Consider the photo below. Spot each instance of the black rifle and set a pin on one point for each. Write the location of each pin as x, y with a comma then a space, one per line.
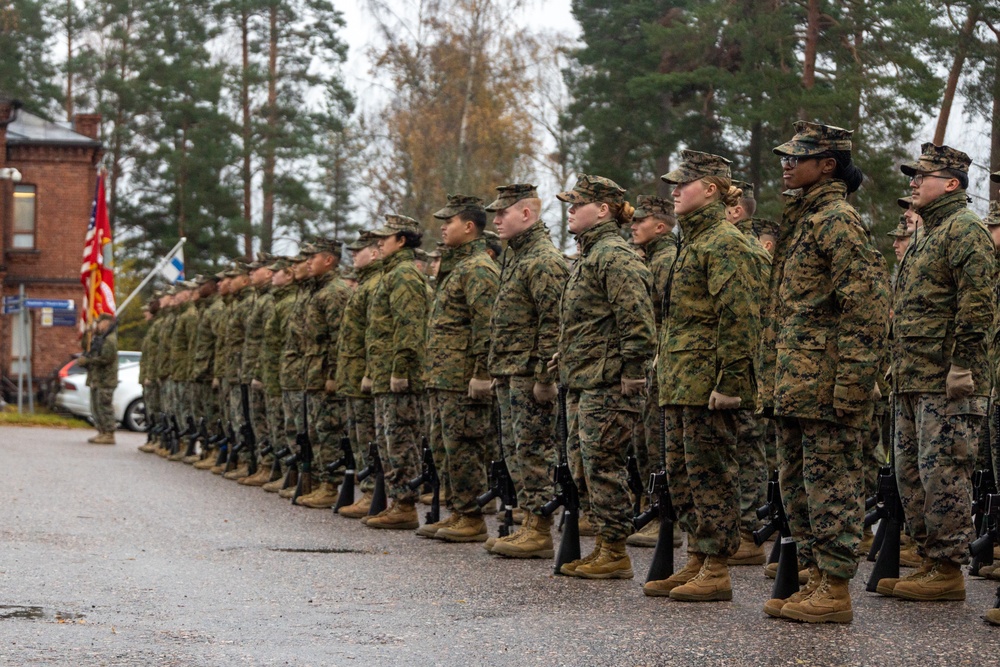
501, 485
374, 467
304, 484
982, 547
429, 475
159, 426
248, 440
660, 506
193, 433
346, 461
888, 511
221, 440
568, 497
983, 485
175, 435
786, 581
233, 456
634, 484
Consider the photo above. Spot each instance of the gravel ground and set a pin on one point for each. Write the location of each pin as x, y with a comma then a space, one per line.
114, 557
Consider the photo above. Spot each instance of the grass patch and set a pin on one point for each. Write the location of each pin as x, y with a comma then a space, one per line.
41, 417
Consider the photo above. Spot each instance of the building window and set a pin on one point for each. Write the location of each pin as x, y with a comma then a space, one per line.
24, 217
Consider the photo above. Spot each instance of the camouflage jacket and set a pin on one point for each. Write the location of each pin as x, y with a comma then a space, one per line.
660, 255
458, 332
351, 341
204, 346
235, 334
276, 312
397, 324
102, 364
825, 313
323, 318
148, 350
182, 342
253, 342
161, 368
220, 324
606, 327
292, 370
760, 253
711, 317
524, 327
944, 307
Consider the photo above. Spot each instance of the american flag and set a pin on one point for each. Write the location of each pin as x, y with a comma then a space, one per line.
97, 272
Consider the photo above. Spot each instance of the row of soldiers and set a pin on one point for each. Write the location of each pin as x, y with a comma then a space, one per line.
714, 346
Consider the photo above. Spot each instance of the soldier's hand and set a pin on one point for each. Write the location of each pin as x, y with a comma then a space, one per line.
959, 383
717, 401
215, 383
480, 389
553, 365
256, 385
330, 387
633, 386
398, 385
876, 393
366, 385
545, 392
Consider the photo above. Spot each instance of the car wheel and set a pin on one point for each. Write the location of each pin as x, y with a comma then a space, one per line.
135, 415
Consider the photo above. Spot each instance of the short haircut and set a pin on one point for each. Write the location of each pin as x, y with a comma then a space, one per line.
961, 176
410, 239
476, 217
749, 205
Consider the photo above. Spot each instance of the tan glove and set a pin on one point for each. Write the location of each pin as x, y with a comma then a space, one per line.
256, 384
215, 383
633, 386
480, 389
717, 401
330, 387
544, 392
553, 365
366, 385
959, 383
398, 385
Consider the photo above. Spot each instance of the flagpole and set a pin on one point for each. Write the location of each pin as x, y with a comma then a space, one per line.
156, 269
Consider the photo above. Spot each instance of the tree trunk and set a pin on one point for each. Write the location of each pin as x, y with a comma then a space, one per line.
995, 134
270, 159
953, 75
754, 149
69, 60
246, 173
117, 137
811, 45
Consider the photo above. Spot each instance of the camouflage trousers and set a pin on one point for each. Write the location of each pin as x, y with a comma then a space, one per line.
361, 429
573, 455
704, 476
877, 443
935, 448
606, 422
102, 409
223, 397
167, 397
236, 416
529, 441
203, 400
821, 486
258, 420
275, 426
291, 406
431, 434
326, 420
646, 443
465, 427
151, 399
397, 430
751, 458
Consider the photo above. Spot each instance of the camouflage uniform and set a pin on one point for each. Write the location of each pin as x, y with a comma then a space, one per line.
292, 369
823, 339
236, 330
150, 387
458, 343
161, 366
202, 366
181, 352
711, 328
275, 325
394, 348
261, 306
102, 378
524, 330
991, 431
220, 323
943, 313
606, 334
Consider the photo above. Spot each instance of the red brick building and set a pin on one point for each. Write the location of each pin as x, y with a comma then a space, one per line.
43, 221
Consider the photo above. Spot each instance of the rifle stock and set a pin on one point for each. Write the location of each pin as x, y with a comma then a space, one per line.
304, 484
568, 497
429, 475
786, 581
374, 467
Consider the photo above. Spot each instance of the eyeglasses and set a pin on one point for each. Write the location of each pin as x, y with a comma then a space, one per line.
789, 161
918, 178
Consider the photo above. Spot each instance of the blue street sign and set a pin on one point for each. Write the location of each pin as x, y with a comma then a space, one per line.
10, 304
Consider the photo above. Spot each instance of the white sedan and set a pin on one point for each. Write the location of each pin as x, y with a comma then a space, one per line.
130, 410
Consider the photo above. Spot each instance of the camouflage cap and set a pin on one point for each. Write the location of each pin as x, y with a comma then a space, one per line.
420, 254
589, 189
327, 245
995, 177
221, 274
395, 224
508, 195
434, 254
202, 280
238, 268
490, 234
813, 139
935, 158
696, 165
349, 274
647, 205
746, 187
365, 239
281, 264
764, 226
900, 231
905, 203
459, 204
263, 259
993, 218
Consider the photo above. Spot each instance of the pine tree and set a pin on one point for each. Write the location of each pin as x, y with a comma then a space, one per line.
28, 73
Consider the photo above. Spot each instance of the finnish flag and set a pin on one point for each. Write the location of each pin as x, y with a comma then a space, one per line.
174, 269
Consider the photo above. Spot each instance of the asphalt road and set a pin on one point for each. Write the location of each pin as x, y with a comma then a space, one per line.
114, 557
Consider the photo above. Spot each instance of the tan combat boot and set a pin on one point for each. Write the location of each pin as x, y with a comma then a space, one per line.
103, 439
467, 528
773, 606
359, 508
662, 587
570, 568
771, 571
322, 498
276, 485
944, 581
427, 498
400, 516
191, 460
829, 603
162, 451
612, 563
431, 529
149, 447
909, 557
886, 585
492, 541
239, 473
711, 584
646, 537
678, 536
177, 456
866, 543
535, 541
748, 553
206, 463
992, 616
587, 528
260, 478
